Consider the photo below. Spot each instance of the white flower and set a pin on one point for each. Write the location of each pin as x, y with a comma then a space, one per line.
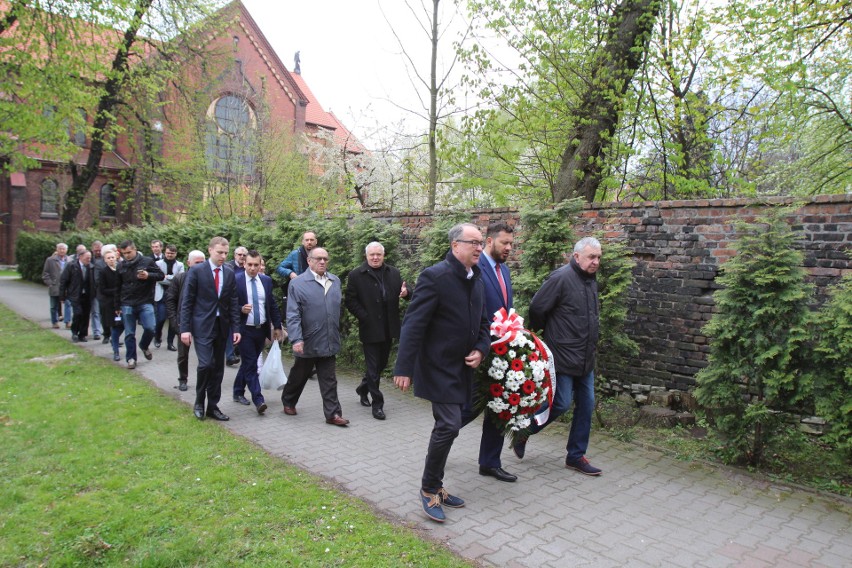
512, 354
497, 405
495, 373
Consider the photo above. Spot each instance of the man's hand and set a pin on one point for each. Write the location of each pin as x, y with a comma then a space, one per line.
402, 383
299, 347
473, 359
293, 275
186, 338
403, 292
277, 335
237, 338
246, 309
142, 274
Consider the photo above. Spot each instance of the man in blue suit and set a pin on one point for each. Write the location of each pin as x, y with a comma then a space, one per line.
209, 312
259, 320
498, 294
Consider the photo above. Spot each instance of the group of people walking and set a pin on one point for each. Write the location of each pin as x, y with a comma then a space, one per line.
228, 307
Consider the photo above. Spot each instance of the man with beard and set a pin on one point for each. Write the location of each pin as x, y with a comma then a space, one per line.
138, 275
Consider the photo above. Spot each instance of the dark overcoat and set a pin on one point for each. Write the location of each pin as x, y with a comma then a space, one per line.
445, 321
377, 312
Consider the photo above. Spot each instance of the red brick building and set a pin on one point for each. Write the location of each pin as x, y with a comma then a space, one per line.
249, 83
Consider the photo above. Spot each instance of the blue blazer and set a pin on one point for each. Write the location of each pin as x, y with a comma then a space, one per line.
493, 294
271, 307
199, 303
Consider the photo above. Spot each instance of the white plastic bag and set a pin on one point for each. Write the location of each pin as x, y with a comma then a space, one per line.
272, 376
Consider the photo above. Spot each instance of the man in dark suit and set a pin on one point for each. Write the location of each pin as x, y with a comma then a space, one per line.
498, 294
173, 306
209, 312
373, 291
445, 336
259, 320
77, 286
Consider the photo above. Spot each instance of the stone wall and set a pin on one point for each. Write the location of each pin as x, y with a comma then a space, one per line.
679, 247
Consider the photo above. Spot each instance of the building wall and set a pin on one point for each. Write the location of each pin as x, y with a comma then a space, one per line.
679, 247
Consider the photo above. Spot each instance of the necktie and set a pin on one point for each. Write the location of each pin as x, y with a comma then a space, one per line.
216, 280
255, 305
502, 284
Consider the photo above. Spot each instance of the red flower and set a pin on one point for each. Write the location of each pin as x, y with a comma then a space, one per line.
501, 349
505, 416
514, 399
528, 387
517, 365
533, 356
496, 390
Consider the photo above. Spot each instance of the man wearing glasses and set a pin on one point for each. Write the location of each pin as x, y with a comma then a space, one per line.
445, 336
313, 326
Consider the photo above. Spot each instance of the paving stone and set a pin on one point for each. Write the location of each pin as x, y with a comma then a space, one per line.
645, 510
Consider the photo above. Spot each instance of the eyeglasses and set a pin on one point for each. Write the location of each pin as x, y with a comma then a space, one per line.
320, 258
475, 244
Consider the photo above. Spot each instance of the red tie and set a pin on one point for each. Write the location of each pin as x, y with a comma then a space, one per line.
502, 284
216, 280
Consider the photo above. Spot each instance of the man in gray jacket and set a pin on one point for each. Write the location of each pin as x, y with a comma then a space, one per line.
313, 326
567, 309
53, 267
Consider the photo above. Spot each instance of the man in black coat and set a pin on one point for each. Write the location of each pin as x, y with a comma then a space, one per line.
77, 285
373, 291
173, 306
567, 309
445, 336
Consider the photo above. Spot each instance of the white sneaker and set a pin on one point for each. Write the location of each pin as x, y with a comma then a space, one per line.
131, 364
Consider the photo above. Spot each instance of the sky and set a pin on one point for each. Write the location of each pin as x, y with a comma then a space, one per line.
350, 57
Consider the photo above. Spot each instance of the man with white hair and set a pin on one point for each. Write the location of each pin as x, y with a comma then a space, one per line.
373, 291
568, 310
53, 267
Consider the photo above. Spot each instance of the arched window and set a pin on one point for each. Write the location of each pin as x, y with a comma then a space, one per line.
230, 137
80, 129
107, 200
49, 198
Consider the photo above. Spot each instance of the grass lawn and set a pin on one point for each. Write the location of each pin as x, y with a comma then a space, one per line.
13, 273
101, 468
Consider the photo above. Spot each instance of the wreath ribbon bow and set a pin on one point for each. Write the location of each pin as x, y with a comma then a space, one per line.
506, 325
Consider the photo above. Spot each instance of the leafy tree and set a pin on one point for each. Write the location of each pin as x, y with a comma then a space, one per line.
832, 373
103, 57
757, 340
615, 276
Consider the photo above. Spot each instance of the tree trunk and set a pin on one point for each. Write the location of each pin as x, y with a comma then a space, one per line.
600, 108
433, 112
83, 178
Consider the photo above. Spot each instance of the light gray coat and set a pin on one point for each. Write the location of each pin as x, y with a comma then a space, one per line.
313, 316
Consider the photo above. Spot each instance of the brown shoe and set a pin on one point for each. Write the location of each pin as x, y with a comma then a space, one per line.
56, 326
337, 420
290, 410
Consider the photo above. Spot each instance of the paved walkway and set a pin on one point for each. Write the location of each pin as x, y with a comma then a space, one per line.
646, 510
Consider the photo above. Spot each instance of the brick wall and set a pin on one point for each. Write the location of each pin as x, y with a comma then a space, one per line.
678, 247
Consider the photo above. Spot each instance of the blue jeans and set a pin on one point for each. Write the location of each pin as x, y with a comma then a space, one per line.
582, 391
54, 310
144, 313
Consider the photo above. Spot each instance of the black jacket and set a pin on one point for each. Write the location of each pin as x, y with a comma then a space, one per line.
172, 299
108, 294
445, 321
566, 308
377, 310
72, 287
131, 290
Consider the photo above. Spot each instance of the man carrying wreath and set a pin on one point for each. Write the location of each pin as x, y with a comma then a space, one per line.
566, 307
445, 336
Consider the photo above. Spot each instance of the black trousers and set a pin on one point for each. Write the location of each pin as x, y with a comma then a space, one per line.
251, 346
82, 310
448, 422
182, 361
211, 367
376, 359
326, 377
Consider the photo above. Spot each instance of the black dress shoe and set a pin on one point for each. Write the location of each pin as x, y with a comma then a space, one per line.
261, 408
363, 394
157, 344
242, 400
379, 414
199, 411
497, 473
172, 347
182, 385
232, 361
217, 414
